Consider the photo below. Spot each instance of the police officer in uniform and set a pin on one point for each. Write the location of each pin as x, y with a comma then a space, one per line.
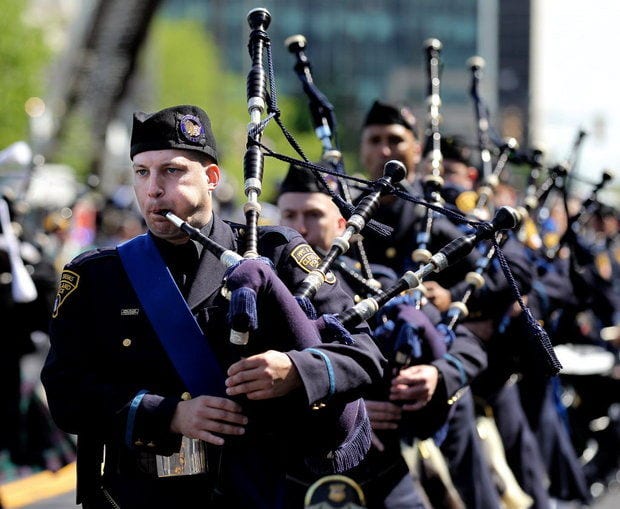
305, 206
117, 375
389, 132
420, 398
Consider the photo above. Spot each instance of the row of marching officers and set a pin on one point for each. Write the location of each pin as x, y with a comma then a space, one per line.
480, 391
405, 410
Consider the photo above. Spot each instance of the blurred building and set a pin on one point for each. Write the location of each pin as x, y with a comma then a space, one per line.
513, 79
364, 49
359, 50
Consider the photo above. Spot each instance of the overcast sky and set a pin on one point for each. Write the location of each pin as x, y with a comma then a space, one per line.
577, 80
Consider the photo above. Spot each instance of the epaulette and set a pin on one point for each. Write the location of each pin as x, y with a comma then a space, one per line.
285, 232
92, 254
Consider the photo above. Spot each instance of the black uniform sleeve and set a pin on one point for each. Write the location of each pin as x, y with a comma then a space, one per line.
465, 359
339, 369
89, 388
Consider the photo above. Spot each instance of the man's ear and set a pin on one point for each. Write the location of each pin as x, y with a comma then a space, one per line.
342, 224
472, 173
214, 175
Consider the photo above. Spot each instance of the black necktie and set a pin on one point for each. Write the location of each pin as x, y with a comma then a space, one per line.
184, 264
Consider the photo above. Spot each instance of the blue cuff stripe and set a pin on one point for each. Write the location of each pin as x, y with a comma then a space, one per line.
330, 369
458, 365
131, 417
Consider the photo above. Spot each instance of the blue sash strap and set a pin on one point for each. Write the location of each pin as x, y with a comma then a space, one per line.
177, 329
190, 352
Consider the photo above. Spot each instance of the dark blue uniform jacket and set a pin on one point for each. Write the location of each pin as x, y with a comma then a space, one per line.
104, 351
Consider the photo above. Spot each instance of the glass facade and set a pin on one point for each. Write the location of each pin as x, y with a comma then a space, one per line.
359, 50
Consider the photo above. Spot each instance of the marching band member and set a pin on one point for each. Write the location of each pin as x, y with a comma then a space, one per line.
119, 370
384, 477
389, 133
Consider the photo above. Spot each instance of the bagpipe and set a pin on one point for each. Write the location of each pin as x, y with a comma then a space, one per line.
250, 279
264, 314
544, 183
250, 276
325, 128
578, 220
480, 202
547, 187
433, 180
394, 171
476, 65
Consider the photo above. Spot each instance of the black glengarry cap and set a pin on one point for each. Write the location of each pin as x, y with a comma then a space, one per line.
300, 179
456, 148
382, 113
183, 127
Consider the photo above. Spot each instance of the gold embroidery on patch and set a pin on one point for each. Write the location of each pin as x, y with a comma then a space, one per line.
191, 128
308, 260
69, 281
305, 257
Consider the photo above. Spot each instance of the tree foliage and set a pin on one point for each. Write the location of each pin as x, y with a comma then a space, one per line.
23, 56
184, 67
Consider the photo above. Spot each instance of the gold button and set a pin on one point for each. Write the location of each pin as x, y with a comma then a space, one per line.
390, 252
318, 406
138, 443
186, 396
126, 342
150, 444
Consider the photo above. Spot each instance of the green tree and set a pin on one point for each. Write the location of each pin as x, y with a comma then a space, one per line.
23, 56
184, 73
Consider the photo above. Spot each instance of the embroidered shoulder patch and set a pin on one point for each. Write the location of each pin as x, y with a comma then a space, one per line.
69, 281
308, 260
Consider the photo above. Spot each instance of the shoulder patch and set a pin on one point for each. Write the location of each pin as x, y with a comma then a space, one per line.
69, 282
308, 260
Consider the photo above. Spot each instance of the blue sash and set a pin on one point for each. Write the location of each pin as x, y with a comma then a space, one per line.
175, 326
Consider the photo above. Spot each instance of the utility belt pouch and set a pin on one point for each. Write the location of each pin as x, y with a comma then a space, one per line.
190, 460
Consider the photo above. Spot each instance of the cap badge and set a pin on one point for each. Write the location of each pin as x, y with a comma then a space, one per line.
191, 128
